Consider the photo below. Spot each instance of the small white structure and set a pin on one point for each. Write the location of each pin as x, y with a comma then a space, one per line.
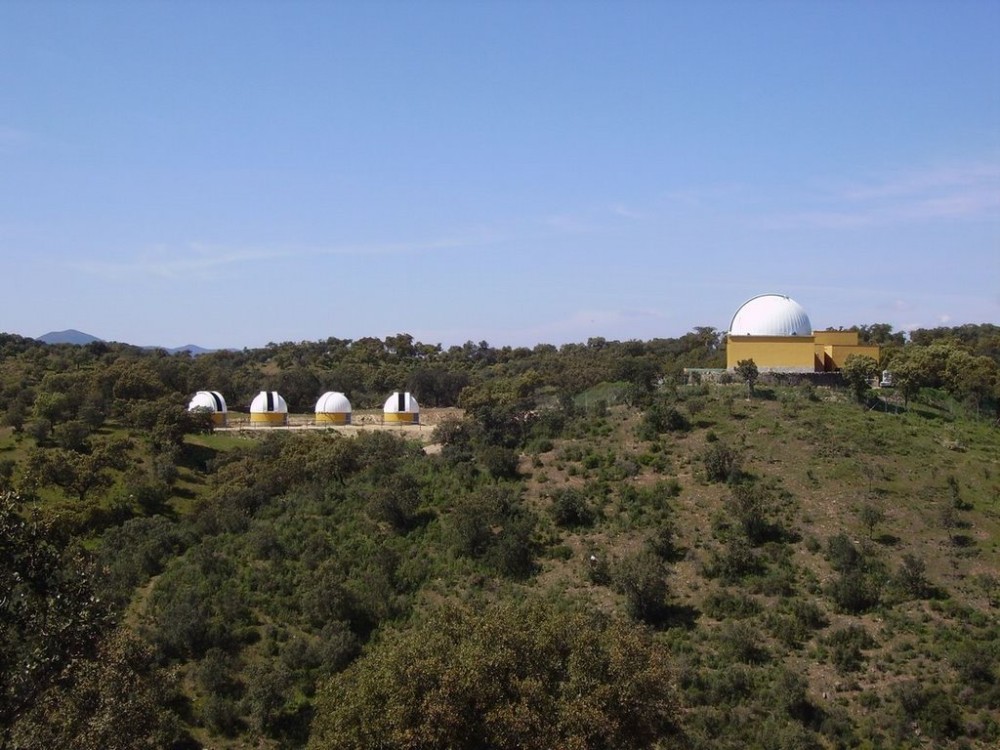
333, 408
269, 408
401, 408
211, 402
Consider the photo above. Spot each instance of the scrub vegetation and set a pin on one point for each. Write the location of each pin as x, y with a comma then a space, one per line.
598, 551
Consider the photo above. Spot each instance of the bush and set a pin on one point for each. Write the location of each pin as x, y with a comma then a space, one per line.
858, 587
662, 417
495, 527
855, 591
846, 645
395, 501
741, 642
911, 578
499, 462
642, 579
724, 604
753, 507
929, 707
663, 542
570, 509
722, 463
735, 561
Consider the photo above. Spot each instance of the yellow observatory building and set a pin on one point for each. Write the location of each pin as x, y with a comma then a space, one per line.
211, 402
268, 408
774, 331
401, 408
333, 408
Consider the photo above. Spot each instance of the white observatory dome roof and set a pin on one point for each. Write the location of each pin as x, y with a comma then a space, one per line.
771, 315
401, 403
210, 400
268, 402
333, 402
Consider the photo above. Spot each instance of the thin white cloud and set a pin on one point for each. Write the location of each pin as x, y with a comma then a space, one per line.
956, 192
626, 212
929, 180
568, 223
703, 196
204, 260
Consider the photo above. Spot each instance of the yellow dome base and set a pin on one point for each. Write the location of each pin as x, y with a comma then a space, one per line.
401, 418
269, 418
333, 418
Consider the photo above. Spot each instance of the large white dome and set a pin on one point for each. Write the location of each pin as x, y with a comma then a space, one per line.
771, 315
401, 403
268, 402
333, 402
209, 400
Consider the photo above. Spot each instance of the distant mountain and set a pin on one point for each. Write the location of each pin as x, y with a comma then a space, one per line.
193, 349
70, 336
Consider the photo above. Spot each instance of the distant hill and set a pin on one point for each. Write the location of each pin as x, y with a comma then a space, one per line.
193, 349
71, 336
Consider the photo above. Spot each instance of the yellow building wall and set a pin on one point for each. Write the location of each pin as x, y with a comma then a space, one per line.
402, 417
836, 338
795, 353
268, 418
835, 356
335, 417
824, 351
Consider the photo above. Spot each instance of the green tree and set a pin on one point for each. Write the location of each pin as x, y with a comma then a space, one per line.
493, 525
753, 507
49, 614
870, 517
858, 372
522, 675
747, 372
971, 378
722, 463
115, 701
641, 578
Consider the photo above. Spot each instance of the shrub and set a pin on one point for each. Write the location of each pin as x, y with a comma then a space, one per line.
911, 578
929, 707
663, 542
499, 462
735, 561
722, 463
724, 604
642, 579
753, 507
846, 645
855, 591
858, 587
741, 642
494, 526
570, 508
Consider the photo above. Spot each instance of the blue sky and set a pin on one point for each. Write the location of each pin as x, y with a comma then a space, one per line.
234, 173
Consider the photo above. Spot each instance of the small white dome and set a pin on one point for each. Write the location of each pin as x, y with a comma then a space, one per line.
401, 403
333, 402
771, 315
210, 400
268, 402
